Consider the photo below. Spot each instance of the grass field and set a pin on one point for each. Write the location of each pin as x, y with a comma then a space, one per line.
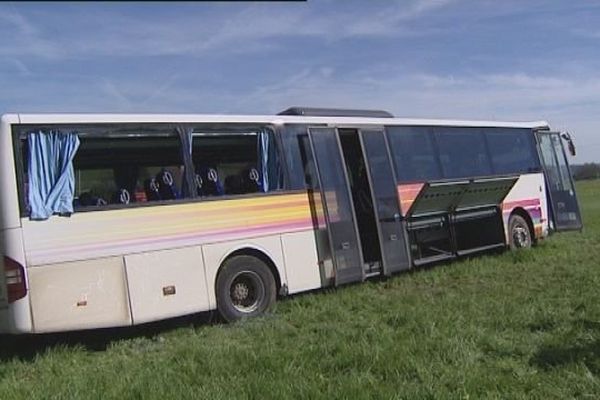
511, 325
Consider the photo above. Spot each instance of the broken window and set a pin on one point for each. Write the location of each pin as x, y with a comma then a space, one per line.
130, 168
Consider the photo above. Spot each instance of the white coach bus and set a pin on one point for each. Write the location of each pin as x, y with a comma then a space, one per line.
113, 220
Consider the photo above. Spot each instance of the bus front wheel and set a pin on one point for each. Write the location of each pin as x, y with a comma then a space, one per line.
520, 236
245, 288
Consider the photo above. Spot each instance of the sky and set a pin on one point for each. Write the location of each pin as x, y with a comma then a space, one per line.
508, 60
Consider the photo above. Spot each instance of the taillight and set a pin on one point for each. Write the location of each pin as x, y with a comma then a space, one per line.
15, 279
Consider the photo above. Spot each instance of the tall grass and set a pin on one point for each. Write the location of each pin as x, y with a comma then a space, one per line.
510, 325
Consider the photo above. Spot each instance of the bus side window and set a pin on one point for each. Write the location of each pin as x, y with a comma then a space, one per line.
414, 156
462, 152
126, 169
512, 150
234, 162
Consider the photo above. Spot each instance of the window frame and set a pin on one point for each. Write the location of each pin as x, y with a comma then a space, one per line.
483, 131
477, 131
289, 134
533, 151
20, 131
427, 131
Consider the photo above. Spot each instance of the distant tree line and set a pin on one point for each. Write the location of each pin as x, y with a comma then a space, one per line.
585, 171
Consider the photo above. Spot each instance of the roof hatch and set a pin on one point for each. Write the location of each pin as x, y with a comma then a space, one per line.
335, 112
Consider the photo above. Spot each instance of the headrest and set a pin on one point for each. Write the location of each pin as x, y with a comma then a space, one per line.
165, 178
253, 175
151, 185
198, 180
212, 175
123, 196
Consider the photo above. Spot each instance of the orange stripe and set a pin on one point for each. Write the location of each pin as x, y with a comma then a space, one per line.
407, 193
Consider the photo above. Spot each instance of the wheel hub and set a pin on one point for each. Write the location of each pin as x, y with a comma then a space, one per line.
240, 291
245, 291
521, 236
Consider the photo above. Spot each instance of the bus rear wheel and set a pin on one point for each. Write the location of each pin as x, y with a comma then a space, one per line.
520, 236
245, 288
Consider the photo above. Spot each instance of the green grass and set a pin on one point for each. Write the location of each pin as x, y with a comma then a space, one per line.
511, 325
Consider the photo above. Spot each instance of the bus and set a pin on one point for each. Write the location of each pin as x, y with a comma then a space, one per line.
111, 220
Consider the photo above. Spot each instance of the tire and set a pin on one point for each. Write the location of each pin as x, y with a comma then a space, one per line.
245, 288
519, 233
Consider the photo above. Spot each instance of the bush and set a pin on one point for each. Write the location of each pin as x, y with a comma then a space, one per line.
586, 171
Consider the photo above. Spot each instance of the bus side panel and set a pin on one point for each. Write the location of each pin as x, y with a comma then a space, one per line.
529, 194
79, 295
301, 261
167, 283
215, 255
9, 199
15, 317
220, 227
117, 232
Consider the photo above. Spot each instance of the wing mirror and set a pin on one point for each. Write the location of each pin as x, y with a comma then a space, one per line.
567, 137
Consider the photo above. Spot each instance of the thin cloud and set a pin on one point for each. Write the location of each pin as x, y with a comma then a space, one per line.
110, 33
23, 38
566, 103
420, 58
113, 91
586, 33
21, 67
13, 18
160, 92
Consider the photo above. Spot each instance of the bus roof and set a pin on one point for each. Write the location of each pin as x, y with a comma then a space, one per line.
57, 118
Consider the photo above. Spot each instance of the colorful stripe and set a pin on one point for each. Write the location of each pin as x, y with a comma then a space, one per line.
407, 193
533, 208
114, 232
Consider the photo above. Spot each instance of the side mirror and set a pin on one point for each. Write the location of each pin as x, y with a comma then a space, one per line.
570, 145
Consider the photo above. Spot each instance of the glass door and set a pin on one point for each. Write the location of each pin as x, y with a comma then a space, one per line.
564, 208
394, 248
337, 204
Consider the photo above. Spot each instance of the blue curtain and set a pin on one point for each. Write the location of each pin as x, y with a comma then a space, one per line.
51, 175
269, 167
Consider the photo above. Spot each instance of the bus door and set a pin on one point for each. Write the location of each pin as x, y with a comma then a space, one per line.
338, 206
392, 240
563, 206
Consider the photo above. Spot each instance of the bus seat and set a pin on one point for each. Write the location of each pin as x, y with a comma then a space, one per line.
199, 183
251, 180
87, 199
121, 196
151, 189
166, 187
211, 185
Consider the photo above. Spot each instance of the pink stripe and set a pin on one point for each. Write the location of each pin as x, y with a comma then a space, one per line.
184, 239
521, 203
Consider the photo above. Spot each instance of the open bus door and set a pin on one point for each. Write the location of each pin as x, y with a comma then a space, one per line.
360, 203
386, 205
563, 205
338, 206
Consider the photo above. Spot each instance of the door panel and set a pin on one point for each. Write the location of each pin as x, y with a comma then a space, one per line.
563, 200
485, 192
392, 241
338, 206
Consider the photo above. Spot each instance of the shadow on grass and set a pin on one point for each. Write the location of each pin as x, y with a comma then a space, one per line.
586, 352
558, 355
27, 347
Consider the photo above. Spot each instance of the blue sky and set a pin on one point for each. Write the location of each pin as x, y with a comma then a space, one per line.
475, 59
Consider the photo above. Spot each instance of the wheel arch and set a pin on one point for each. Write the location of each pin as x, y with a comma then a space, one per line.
520, 211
